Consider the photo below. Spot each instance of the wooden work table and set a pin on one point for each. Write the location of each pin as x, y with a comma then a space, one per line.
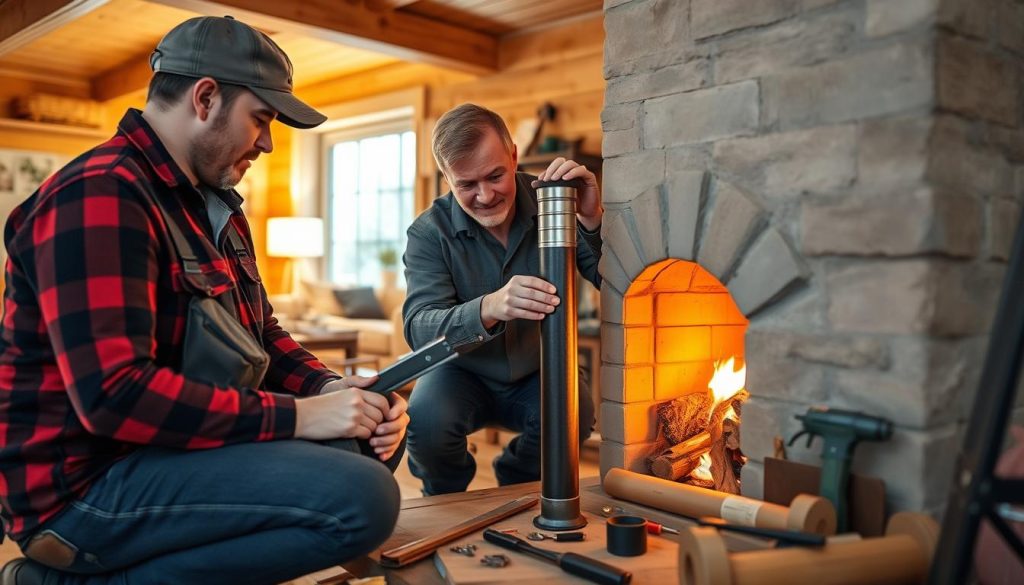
422, 517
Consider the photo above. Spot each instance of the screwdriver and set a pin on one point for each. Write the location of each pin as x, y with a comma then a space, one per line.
657, 528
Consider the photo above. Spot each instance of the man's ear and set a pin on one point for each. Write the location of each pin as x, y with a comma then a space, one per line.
205, 94
515, 157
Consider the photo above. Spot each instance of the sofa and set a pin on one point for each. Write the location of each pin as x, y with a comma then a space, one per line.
375, 313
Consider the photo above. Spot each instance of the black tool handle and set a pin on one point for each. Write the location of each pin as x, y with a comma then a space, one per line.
593, 570
787, 536
569, 536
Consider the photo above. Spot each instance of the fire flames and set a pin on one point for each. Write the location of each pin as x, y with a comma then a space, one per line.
725, 383
702, 431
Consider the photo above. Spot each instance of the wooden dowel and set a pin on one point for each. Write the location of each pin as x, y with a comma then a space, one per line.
901, 557
806, 513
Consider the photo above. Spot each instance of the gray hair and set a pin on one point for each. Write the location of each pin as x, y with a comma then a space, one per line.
458, 133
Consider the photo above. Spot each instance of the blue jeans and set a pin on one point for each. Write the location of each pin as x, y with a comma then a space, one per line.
247, 513
450, 403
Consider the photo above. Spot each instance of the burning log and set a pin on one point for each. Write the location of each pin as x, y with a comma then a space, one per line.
684, 417
678, 461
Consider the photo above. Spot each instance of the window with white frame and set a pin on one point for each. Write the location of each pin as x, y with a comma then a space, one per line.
369, 192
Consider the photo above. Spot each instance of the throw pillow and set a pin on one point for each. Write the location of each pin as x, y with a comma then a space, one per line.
359, 303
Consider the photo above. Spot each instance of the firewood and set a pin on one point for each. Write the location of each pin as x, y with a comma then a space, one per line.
678, 461
684, 417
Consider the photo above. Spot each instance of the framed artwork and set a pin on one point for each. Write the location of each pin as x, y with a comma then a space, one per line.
21, 173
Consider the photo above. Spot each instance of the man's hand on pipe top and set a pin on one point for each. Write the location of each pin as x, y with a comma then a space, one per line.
588, 210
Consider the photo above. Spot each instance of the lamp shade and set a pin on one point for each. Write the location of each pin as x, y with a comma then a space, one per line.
295, 237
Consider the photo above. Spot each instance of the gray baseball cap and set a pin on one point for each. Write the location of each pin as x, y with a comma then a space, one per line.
233, 52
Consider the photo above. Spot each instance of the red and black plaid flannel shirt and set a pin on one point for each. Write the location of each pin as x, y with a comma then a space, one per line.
93, 322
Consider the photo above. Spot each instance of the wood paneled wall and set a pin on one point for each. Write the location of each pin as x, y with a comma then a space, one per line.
561, 65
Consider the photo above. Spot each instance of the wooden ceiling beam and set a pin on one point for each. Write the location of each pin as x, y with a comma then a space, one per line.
130, 76
23, 21
406, 36
389, 4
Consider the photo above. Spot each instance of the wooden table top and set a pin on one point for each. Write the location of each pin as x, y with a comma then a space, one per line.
428, 516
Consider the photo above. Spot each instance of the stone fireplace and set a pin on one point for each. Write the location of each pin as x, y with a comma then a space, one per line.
833, 186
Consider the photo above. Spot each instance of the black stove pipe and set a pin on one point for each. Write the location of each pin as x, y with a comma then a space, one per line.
559, 385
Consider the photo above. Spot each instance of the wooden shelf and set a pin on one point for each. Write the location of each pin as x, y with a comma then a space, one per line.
56, 129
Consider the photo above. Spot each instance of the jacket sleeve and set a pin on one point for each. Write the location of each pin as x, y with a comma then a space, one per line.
432, 308
94, 253
292, 369
588, 254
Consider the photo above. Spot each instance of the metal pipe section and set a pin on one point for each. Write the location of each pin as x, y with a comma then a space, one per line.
559, 385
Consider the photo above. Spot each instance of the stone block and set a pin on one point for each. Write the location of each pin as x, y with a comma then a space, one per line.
977, 82
620, 117
834, 350
764, 419
685, 192
1008, 141
966, 297
611, 305
752, 480
1010, 26
928, 383
786, 165
885, 17
896, 296
679, 379
1004, 215
635, 422
625, 177
714, 17
917, 466
968, 17
906, 223
621, 234
702, 115
803, 41
651, 228
682, 77
768, 269
682, 344
693, 157
627, 384
957, 165
664, 23
772, 372
609, 4
611, 271
892, 151
613, 343
871, 83
629, 457
734, 220
619, 142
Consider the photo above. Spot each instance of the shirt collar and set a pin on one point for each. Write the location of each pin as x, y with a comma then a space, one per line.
138, 131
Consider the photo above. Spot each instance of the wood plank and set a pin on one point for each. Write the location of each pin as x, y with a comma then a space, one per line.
397, 33
559, 45
23, 21
130, 76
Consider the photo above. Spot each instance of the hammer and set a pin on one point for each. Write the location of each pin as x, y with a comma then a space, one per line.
842, 430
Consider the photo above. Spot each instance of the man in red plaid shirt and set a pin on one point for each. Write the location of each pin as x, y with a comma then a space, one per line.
114, 466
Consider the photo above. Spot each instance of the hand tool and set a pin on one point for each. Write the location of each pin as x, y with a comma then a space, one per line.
558, 536
572, 563
842, 430
417, 549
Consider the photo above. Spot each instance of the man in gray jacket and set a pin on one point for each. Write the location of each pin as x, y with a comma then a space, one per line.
472, 266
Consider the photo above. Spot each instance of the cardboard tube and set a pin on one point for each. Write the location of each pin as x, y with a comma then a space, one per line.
806, 513
901, 557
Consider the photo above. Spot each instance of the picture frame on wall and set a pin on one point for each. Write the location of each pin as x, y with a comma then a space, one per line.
21, 173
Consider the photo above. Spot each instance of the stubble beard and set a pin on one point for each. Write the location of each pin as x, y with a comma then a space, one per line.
210, 153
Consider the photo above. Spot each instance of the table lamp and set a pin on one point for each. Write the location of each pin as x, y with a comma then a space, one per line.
295, 238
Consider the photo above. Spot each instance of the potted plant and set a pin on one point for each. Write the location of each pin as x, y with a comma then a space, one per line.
388, 259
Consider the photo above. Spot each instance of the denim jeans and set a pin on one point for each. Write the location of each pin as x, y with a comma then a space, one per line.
450, 403
247, 513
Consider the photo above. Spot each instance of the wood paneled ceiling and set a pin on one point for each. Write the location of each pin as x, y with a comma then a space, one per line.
106, 43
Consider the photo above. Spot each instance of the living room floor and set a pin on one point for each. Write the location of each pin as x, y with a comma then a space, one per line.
485, 452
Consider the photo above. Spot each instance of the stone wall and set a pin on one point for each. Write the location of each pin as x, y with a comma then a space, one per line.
866, 154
